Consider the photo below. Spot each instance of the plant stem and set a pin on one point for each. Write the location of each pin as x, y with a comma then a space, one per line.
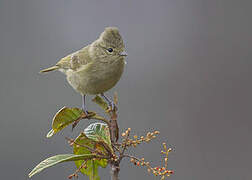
113, 127
115, 172
114, 134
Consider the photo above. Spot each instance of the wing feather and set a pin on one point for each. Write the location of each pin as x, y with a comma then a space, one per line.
75, 60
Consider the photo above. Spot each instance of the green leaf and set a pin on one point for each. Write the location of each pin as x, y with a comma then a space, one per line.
104, 105
66, 116
92, 165
63, 118
99, 132
58, 159
92, 168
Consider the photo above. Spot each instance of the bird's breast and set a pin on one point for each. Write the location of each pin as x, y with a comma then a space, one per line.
98, 77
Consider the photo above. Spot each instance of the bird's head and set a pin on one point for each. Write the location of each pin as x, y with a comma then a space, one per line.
109, 45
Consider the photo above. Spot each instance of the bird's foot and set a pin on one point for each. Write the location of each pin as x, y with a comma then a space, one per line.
84, 109
86, 112
112, 106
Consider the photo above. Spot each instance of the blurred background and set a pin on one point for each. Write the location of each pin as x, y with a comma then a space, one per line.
188, 75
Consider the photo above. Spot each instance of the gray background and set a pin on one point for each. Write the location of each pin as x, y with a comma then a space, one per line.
188, 75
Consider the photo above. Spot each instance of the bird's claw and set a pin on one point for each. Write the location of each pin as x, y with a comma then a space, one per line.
85, 112
112, 106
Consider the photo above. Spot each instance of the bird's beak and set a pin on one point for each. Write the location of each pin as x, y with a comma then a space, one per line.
123, 53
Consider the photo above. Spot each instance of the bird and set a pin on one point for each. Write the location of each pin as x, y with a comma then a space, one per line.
96, 68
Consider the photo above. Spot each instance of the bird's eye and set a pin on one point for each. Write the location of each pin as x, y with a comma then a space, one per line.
110, 50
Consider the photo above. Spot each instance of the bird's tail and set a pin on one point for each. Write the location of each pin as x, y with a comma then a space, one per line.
49, 69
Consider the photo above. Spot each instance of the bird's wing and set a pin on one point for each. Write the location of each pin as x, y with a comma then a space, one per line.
75, 60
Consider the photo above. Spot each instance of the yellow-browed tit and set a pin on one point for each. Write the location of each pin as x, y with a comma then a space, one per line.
95, 68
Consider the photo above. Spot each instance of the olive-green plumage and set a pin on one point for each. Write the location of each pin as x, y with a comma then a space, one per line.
97, 67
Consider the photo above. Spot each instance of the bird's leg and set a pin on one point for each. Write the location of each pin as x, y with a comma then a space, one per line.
110, 102
84, 108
